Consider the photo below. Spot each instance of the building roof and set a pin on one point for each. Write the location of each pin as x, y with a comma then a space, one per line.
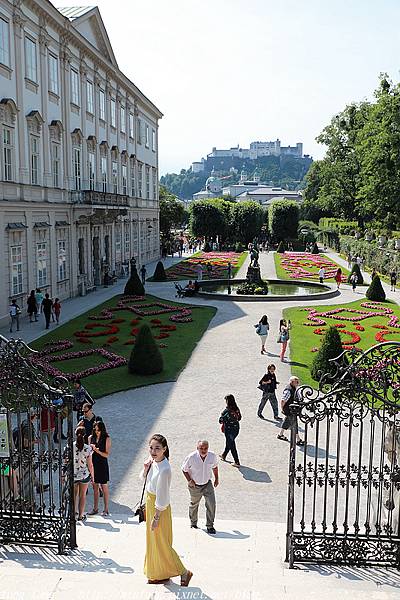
269, 190
74, 12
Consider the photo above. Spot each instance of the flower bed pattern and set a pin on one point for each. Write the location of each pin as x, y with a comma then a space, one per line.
188, 268
301, 265
376, 309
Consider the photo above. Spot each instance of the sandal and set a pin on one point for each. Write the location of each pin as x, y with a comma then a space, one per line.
93, 512
82, 518
300, 443
105, 513
156, 581
185, 579
282, 437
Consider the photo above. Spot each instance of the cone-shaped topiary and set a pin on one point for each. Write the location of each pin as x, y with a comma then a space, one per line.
134, 287
159, 272
145, 358
356, 269
207, 247
315, 249
375, 291
331, 347
281, 247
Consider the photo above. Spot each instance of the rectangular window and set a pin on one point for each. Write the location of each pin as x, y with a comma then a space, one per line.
102, 105
133, 185
91, 169
114, 176
4, 42
30, 60
147, 137
89, 97
74, 87
16, 270
127, 243
8, 152
53, 74
55, 164
118, 243
103, 165
34, 160
139, 131
131, 126
41, 264
153, 140
154, 184
62, 259
124, 180
122, 116
140, 179
147, 182
113, 113
76, 162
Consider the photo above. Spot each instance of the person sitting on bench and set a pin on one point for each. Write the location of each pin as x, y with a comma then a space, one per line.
190, 289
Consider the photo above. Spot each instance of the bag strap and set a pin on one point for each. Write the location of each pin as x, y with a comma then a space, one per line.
144, 486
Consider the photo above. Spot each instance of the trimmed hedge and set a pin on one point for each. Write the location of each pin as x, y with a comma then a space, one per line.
159, 272
283, 219
331, 347
356, 269
281, 248
315, 249
134, 287
373, 256
375, 291
145, 358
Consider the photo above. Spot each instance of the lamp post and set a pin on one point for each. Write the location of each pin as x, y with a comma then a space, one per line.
229, 277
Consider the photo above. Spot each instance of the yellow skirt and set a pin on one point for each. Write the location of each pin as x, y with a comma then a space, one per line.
161, 560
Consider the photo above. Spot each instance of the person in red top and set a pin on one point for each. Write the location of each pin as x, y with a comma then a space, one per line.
47, 422
57, 309
338, 277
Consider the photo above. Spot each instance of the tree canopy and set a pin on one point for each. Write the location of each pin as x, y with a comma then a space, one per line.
172, 211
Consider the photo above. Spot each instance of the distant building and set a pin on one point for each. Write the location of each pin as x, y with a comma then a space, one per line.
265, 195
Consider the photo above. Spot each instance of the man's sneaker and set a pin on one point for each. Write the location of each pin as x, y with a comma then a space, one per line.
211, 530
193, 526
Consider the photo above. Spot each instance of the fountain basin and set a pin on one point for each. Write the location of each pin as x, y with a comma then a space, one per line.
278, 290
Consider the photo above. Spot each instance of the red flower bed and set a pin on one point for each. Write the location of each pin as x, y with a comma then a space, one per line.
189, 268
113, 361
112, 339
302, 265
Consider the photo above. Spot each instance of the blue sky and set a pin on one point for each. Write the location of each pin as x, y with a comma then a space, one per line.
227, 72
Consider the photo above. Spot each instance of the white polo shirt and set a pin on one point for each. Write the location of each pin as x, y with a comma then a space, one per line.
200, 470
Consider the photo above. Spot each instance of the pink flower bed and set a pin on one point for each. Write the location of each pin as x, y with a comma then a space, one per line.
188, 268
301, 265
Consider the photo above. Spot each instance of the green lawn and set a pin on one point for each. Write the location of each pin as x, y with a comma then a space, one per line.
282, 273
303, 338
179, 345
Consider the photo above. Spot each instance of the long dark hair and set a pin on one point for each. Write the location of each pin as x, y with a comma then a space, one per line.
269, 367
163, 441
231, 402
103, 431
80, 433
264, 320
282, 323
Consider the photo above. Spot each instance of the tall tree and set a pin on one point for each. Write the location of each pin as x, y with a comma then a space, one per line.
210, 218
248, 218
172, 211
283, 219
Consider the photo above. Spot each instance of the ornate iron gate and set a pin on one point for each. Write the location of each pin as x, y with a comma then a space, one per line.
344, 484
36, 472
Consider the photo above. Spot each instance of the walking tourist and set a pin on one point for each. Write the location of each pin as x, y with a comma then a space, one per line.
283, 336
321, 275
338, 277
199, 272
32, 306
262, 329
83, 471
57, 309
229, 420
161, 561
14, 312
81, 397
100, 442
353, 281
143, 272
198, 468
47, 306
268, 386
39, 299
393, 280
290, 422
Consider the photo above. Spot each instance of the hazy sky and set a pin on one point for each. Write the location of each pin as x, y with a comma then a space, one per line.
228, 72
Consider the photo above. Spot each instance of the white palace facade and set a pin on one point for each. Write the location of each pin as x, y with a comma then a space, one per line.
78, 155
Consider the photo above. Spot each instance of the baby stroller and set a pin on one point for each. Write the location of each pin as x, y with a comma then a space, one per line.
180, 292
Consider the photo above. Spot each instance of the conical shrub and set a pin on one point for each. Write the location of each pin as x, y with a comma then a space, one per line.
315, 249
281, 247
356, 269
145, 358
134, 287
331, 347
159, 272
375, 291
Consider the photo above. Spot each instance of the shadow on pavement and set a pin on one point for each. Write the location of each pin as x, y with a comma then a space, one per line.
380, 576
254, 475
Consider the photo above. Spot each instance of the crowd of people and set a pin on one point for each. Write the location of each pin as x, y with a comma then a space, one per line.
37, 303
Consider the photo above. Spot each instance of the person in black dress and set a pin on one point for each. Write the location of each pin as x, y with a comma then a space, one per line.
32, 306
47, 306
100, 442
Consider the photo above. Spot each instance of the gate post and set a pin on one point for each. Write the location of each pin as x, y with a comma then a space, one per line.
70, 451
290, 509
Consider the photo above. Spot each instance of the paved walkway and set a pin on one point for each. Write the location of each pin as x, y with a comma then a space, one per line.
251, 501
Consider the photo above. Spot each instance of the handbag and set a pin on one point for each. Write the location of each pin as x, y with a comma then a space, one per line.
141, 506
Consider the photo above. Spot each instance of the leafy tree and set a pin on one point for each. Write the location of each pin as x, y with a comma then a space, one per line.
248, 218
145, 358
210, 218
283, 219
172, 211
159, 272
375, 291
331, 347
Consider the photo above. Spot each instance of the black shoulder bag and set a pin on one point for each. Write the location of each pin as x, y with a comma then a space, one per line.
141, 506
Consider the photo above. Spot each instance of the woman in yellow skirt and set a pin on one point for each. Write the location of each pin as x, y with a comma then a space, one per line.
161, 561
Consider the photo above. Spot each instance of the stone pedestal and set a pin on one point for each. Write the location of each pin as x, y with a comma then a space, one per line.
254, 275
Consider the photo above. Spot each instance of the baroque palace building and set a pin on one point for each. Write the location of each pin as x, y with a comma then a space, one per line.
78, 155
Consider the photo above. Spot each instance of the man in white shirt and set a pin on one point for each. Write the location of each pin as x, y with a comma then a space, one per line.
321, 275
197, 469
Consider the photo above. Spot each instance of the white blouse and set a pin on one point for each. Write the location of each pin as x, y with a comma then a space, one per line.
159, 482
